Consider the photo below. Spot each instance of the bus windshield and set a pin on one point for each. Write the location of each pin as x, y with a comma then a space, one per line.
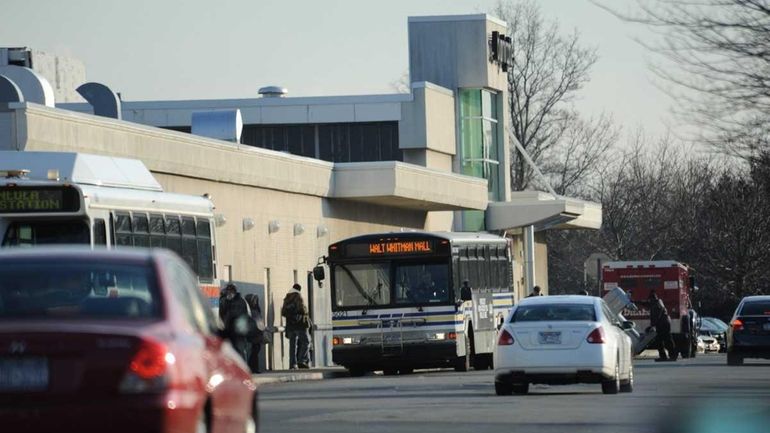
422, 283
48, 232
362, 284
369, 284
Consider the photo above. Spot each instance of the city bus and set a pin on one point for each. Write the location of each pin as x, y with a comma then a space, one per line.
73, 198
397, 302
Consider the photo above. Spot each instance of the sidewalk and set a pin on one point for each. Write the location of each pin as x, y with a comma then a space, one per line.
281, 376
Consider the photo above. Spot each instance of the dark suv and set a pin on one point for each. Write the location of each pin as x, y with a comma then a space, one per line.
749, 333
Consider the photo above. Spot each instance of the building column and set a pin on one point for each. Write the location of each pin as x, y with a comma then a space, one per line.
529, 259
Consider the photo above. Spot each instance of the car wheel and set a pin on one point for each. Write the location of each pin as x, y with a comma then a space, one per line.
520, 388
503, 388
628, 384
405, 371
463, 363
612, 386
733, 359
390, 372
356, 371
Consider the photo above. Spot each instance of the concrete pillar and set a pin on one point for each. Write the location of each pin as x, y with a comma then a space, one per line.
529, 259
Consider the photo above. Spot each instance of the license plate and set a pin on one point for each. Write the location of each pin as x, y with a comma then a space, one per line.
550, 338
23, 374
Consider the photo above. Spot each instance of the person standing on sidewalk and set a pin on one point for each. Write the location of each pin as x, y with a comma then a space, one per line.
662, 323
258, 336
234, 312
297, 328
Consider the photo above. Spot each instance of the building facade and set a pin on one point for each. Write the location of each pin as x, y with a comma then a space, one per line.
304, 172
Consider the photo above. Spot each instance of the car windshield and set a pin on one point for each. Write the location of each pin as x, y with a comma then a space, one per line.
554, 312
77, 290
756, 308
42, 233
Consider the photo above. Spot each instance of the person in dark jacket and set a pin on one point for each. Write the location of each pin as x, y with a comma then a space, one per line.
662, 323
234, 312
535, 292
258, 339
297, 328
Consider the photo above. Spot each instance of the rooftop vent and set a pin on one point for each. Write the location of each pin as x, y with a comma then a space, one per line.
273, 92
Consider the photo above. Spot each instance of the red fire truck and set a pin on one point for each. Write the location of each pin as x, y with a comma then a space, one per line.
673, 283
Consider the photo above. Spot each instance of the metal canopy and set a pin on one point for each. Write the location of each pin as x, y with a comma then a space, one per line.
543, 211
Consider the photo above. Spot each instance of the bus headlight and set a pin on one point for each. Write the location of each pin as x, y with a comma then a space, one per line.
345, 340
438, 336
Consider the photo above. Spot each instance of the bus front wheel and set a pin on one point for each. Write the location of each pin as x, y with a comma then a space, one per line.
463, 363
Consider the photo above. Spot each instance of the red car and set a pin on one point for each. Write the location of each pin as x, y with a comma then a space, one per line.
114, 341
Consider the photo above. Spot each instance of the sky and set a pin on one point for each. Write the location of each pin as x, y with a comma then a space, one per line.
196, 49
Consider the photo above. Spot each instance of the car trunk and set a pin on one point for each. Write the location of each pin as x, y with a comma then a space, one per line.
756, 325
551, 335
56, 361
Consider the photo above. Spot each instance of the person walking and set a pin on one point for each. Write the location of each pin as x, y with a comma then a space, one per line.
297, 328
234, 313
535, 292
258, 336
662, 323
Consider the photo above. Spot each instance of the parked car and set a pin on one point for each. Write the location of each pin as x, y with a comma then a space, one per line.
563, 340
114, 341
749, 332
707, 343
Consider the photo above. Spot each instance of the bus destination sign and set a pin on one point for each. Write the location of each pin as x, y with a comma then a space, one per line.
32, 200
400, 247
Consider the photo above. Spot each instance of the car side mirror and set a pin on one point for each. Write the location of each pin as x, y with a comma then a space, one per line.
627, 325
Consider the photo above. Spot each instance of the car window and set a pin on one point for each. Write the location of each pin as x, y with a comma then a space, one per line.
179, 287
76, 290
554, 312
608, 313
203, 315
755, 308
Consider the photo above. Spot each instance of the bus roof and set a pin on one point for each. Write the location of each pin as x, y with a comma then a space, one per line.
81, 169
149, 201
453, 237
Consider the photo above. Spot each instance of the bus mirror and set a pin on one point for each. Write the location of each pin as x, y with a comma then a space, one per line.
318, 273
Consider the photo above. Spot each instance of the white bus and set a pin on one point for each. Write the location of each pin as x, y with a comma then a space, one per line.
398, 303
73, 198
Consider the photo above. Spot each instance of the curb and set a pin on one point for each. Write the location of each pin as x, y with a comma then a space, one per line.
299, 376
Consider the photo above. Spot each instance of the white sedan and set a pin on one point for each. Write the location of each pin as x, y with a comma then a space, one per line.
559, 340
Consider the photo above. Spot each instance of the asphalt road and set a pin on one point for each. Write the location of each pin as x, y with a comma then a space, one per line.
697, 395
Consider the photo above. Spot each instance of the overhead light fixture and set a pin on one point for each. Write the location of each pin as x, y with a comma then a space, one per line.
321, 231
248, 224
298, 229
220, 220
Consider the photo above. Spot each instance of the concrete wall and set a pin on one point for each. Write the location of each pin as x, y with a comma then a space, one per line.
64, 73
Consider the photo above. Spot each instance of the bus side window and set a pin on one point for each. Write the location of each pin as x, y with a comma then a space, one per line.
189, 243
123, 230
157, 231
141, 230
174, 234
100, 232
205, 265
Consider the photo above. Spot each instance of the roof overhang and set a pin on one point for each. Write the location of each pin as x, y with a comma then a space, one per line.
543, 211
398, 184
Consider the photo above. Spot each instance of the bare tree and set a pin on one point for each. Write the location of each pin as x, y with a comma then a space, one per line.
720, 51
548, 69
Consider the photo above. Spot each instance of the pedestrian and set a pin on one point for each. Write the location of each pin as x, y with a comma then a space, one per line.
258, 337
662, 323
297, 328
234, 312
466, 293
535, 292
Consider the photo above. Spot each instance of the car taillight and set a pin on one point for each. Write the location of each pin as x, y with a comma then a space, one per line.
596, 336
505, 338
149, 368
737, 325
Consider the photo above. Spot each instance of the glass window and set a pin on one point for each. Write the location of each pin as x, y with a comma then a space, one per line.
173, 239
141, 230
755, 308
554, 313
100, 232
479, 147
45, 233
361, 284
73, 290
122, 223
156, 224
203, 228
422, 284
188, 226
